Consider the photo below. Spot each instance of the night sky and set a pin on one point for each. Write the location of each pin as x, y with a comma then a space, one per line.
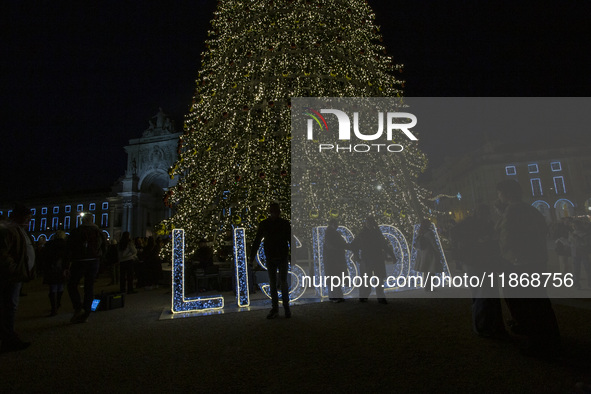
81, 78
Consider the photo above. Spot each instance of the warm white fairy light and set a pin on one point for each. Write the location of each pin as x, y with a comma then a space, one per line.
235, 153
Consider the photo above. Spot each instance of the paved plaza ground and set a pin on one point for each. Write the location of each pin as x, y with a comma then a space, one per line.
408, 346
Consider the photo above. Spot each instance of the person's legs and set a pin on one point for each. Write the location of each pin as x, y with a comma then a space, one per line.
59, 293
130, 276
76, 273
585, 262
122, 276
272, 270
126, 277
577, 271
9, 297
364, 291
562, 264
91, 269
53, 299
283, 270
4, 307
380, 288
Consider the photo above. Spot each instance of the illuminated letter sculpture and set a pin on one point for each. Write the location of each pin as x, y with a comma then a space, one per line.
179, 302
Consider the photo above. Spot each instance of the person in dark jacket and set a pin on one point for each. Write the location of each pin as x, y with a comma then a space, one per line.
522, 234
54, 262
478, 249
17, 259
335, 263
127, 256
86, 245
277, 235
371, 248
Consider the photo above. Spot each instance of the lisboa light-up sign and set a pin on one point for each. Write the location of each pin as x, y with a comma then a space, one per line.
403, 254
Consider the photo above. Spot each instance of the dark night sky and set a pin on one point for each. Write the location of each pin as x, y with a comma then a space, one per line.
81, 78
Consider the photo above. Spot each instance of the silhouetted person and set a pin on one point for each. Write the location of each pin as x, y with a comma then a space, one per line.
153, 263
563, 248
371, 248
335, 263
54, 263
428, 259
139, 265
112, 261
127, 257
277, 235
522, 237
86, 245
203, 255
478, 248
580, 241
17, 258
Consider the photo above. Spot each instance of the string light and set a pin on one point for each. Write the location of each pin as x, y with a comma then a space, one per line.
238, 127
297, 287
180, 303
241, 268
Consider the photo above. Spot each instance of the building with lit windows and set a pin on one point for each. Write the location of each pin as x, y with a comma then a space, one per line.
134, 203
556, 181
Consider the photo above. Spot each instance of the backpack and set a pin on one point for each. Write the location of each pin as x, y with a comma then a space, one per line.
88, 242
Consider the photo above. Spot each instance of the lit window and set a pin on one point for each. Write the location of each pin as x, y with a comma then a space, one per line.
32, 225
536, 187
79, 208
56, 209
559, 185
43, 224
67, 208
105, 205
105, 220
532, 168
510, 170
33, 211
54, 223
43, 211
556, 166
67, 223
92, 206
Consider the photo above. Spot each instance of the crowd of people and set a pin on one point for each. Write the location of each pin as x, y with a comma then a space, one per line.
572, 244
64, 262
516, 243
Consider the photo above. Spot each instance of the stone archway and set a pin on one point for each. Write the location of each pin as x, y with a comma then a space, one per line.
154, 183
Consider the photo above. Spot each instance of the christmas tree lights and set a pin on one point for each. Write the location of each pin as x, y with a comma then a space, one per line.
235, 153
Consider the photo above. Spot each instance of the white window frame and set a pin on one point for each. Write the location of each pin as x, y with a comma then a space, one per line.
563, 185
559, 166
533, 190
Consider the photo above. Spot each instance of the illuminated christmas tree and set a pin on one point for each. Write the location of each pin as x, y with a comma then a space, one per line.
234, 156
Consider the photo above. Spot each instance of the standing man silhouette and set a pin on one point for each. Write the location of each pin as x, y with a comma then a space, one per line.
17, 258
277, 235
